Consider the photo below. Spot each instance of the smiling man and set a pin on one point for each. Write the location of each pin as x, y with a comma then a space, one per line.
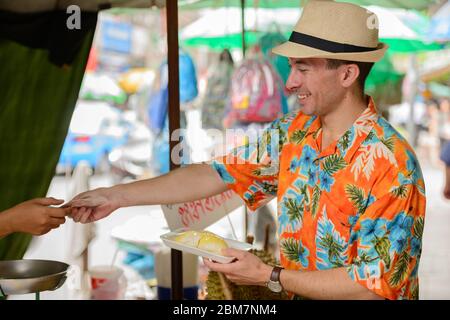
350, 192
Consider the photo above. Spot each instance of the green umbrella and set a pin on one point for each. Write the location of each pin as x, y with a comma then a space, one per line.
273, 4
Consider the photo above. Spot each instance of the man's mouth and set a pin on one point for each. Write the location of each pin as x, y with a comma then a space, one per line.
303, 96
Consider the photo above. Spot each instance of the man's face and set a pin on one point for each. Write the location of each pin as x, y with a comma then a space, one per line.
317, 88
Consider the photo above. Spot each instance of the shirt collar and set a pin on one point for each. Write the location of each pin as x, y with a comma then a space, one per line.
350, 142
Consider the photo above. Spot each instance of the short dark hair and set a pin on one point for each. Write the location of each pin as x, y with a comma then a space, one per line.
364, 69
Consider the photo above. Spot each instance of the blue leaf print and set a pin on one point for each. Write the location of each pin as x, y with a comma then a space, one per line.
416, 246
371, 229
307, 158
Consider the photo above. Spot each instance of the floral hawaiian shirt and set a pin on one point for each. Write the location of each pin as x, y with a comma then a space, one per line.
358, 204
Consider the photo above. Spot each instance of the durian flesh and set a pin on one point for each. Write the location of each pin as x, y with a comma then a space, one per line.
204, 240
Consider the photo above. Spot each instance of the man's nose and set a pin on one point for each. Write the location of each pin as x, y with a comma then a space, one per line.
294, 81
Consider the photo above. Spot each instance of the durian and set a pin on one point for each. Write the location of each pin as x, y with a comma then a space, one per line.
204, 240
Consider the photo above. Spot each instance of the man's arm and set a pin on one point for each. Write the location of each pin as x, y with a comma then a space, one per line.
185, 184
324, 284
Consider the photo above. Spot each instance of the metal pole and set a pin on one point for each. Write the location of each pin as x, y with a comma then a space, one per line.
243, 27
174, 124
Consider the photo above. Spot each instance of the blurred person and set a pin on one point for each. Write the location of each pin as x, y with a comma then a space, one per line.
444, 122
349, 188
445, 157
33, 216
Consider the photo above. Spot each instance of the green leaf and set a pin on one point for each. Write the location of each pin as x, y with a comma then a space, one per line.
389, 143
257, 172
315, 200
382, 247
357, 197
333, 247
269, 188
370, 136
415, 291
400, 270
297, 136
333, 164
291, 249
418, 227
294, 209
344, 141
401, 191
305, 192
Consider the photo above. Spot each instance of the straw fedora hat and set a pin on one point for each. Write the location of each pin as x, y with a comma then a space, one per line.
334, 30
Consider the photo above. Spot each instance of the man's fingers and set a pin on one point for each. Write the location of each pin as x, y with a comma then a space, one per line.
216, 266
87, 202
231, 252
48, 201
85, 216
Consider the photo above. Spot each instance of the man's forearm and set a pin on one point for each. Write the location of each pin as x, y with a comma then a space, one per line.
189, 183
325, 284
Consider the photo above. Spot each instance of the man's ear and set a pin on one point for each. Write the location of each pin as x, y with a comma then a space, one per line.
349, 75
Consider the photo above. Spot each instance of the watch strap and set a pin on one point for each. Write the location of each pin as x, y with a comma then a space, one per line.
275, 275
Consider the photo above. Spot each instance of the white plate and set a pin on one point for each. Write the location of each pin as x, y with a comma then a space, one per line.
167, 239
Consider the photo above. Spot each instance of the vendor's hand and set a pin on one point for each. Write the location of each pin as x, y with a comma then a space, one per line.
247, 269
93, 205
35, 216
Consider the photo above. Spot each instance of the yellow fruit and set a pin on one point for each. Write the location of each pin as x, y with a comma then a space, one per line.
190, 238
204, 240
212, 243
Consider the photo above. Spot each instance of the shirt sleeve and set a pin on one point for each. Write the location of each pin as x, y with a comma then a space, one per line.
386, 243
252, 170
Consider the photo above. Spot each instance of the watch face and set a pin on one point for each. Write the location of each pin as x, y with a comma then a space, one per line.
274, 286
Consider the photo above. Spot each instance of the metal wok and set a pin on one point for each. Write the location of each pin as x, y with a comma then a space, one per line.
31, 276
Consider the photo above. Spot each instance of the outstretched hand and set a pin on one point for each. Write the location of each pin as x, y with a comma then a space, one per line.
92, 205
35, 216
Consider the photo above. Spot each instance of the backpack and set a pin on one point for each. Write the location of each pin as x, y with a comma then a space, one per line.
255, 92
157, 109
188, 78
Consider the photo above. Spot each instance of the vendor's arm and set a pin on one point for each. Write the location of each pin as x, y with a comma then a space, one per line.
33, 216
185, 184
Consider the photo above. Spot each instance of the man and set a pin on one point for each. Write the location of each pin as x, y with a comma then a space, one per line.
32, 216
351, 198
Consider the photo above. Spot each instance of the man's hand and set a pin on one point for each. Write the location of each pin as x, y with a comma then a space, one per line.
93, 205
35, 216
248, 269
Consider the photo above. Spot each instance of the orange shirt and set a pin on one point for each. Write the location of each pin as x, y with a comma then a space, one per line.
358, 204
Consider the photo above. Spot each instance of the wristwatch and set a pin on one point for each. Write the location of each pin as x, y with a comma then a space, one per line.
274, 282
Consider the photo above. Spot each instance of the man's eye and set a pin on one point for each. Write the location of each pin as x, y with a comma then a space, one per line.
302, 70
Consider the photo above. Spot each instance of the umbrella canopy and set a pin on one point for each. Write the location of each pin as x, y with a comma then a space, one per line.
221, 28
404, 30
439, 29
101, 87
201, 4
